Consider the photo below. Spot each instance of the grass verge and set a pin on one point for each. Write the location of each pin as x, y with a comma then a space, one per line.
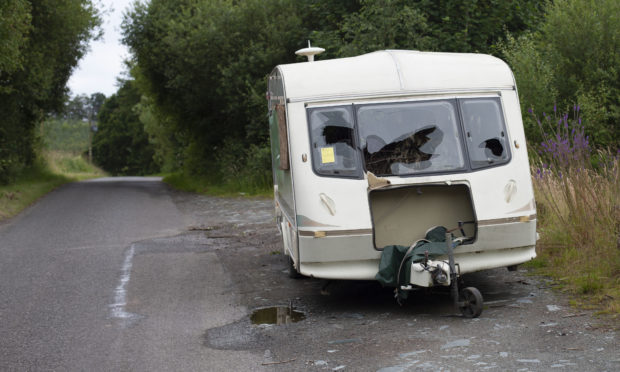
579, 222
204, 185
578, 206
52, 170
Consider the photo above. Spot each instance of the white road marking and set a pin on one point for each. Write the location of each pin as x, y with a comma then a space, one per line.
117, 309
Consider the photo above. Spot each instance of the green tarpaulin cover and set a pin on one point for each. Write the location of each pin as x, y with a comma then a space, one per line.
393, 256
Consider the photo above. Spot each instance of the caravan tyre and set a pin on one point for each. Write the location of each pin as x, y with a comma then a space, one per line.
471, 305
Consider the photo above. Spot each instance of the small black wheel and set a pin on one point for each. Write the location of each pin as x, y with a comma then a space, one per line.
292, 271
471, 302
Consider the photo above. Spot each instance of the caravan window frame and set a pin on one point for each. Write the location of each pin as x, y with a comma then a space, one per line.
426, 133
463, 128
492, 145
318, 154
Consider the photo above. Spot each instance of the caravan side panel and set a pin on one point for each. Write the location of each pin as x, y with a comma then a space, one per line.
282, 177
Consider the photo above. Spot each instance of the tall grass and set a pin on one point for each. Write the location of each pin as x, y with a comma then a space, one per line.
75, 167
578, 201
50, 170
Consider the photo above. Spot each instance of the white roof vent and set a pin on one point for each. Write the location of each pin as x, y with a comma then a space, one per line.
310, 52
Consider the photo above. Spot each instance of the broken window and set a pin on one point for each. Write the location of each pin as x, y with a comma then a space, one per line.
333, 141
410, 138
485, 132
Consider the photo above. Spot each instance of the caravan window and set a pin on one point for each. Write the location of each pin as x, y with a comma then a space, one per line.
333, 141
485, 132
410, 138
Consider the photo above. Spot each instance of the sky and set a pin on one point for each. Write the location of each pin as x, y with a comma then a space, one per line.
98, 70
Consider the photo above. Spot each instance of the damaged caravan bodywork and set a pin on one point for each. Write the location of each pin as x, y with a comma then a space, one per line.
375, 150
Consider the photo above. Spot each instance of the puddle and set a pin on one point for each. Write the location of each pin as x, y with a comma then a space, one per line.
276, 315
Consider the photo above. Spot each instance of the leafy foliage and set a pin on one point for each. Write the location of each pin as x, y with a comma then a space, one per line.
573, 58
41, 43
446, 25
202, 64
383, 24
14, 27
120, 146
478, 25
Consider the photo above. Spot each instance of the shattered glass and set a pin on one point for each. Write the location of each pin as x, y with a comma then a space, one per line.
333, 141
484, 131
409, 138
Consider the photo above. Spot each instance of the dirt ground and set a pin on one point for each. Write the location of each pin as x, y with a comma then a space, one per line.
358, 326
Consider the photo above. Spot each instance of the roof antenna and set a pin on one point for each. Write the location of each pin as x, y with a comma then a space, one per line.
310, 52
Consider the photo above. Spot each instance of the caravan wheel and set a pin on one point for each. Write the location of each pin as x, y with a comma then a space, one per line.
471, 302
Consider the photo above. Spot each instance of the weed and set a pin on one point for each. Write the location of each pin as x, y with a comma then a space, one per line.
536, 263
578, 196
588, 284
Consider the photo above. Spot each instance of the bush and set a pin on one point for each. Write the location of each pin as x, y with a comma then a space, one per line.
572, 58
245, 168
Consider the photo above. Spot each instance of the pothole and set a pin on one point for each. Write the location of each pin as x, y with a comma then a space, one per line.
276, 315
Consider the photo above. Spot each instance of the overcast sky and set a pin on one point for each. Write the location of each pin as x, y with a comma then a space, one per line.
99, 68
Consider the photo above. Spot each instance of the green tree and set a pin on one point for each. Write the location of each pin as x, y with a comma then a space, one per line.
382, 24
573, 59
582, 38
202, 64
168, 143
478, 25
534, 75
46, 38
120, 145
436, 25
14, 27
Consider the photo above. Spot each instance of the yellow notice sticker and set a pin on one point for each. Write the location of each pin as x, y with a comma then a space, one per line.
327, 155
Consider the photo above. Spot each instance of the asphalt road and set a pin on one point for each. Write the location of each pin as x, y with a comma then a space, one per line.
68, 266
127, 275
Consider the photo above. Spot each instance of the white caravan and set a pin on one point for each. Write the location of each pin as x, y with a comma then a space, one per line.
375, 150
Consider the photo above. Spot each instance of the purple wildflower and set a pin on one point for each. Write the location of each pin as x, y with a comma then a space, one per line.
566, 146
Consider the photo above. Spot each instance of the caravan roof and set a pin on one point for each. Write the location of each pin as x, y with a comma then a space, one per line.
394, 72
